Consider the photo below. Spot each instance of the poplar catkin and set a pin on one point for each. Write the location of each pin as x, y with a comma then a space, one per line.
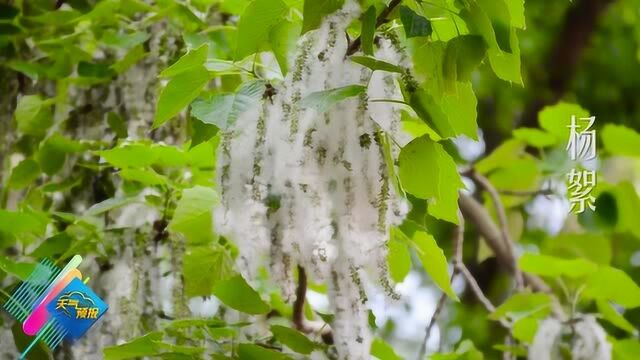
313, 189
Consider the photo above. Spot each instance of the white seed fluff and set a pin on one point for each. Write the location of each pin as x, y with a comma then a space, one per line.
586, 339
313, 189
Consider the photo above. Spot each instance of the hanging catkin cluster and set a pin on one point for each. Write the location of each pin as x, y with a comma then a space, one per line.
313, 189
586, 339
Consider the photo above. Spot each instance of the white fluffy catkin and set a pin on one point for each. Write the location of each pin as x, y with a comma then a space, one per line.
586, 339
303, 188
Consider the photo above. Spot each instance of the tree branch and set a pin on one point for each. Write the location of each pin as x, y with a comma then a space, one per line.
298, 304
299, 322
475, 213
504, 224
459, 267
382, 18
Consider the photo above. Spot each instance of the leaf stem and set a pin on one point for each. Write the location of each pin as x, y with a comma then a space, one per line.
390, 101
504, 225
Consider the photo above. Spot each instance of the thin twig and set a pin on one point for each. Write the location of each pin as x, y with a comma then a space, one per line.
508, 342
382, 18
475, 213
432, 322
458, 239
462, 269
545, 192
504, 225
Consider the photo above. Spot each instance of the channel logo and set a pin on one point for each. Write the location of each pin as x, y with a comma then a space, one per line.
55, 305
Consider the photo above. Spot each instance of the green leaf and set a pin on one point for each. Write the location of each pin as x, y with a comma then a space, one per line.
20, 270
95, 70
322, 101
201, 132
8, 12
131, 58
368, 30
124, 41
414, 24
193, 59
465, 351
9, 29
383, 351
516, 10
256, 352
129, 155
507, 65
109, 204
22, 341
144, 176
203, 267
283, 38
117, 124
315, 11
620, 140
491, 20
462, 55
375, 64
626, 349
609, 283
627, 205
555, 119
193, 214
451, 114
52, 154
433, 261
525, 329
237, 294
535, 137
22, 222
33, 115
398, 258
522, 305
293, 339
151, 345
592, 247
255, 25
223, 110
610, 314
179, 92
139, 347
24, 174
550, 266
443, 182
518, 175
55, 245
504, 154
